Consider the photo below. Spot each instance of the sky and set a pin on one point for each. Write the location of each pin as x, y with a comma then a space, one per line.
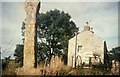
103, 15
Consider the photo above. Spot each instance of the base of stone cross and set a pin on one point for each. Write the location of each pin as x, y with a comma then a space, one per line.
28, 71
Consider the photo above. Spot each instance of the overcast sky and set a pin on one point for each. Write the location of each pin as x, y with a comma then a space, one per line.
103, 15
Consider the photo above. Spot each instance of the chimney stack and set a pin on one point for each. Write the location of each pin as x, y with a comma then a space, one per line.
87, 27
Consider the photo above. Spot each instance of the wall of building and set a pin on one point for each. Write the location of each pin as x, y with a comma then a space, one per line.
87, 44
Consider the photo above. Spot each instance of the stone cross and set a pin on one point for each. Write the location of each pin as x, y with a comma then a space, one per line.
30, 57
30, 50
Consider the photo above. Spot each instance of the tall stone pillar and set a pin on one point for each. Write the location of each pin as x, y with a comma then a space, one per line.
30, 57
30, 51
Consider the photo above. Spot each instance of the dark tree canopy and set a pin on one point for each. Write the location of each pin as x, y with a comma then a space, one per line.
114, 54
54, 29
19, 54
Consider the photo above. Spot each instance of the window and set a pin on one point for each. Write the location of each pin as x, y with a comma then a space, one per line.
79, 48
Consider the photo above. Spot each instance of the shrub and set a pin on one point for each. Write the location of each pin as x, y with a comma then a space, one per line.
10, 68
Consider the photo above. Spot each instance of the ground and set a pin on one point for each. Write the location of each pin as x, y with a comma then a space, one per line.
63, 70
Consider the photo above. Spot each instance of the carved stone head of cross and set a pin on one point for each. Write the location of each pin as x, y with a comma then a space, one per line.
31, 8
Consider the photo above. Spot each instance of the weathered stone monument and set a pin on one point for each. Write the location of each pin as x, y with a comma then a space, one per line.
30, 50
31, 9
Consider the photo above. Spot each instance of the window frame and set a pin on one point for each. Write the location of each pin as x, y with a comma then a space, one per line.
80, 48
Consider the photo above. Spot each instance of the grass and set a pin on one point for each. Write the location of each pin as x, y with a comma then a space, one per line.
59, 69
10, 69
87, 71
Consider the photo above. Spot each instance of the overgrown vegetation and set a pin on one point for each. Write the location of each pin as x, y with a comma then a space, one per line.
59, 70
114, 54
9, 66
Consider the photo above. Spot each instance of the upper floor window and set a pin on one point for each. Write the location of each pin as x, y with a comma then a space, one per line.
79, 48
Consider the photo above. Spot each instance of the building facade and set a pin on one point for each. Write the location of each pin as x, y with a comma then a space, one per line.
86, 47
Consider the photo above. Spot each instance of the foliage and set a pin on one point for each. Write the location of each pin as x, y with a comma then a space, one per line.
87, 71
56, 67
19, 54
54, 29
115, 54
10, 68
5, 62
